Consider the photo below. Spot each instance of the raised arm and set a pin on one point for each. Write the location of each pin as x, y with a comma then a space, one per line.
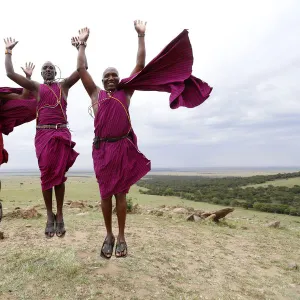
140, 28
28, 70
29, 67
70, 81
17, 78
86, 78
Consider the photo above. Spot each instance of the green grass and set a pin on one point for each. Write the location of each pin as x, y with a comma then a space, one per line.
290, 182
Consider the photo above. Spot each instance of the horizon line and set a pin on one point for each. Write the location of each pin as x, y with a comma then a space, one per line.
163, 168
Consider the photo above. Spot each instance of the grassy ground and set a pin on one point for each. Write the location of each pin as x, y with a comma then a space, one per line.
169, 258
290, 182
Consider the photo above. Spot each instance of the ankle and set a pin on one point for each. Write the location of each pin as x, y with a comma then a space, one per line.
59, 213
50, 214
121, 237
109, 235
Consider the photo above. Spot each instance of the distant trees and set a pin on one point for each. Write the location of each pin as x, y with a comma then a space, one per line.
233, 191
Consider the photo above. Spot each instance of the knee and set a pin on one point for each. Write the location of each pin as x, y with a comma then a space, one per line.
59, 186
121, 198
106, 202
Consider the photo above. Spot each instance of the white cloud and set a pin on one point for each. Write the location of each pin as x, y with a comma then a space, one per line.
247, 50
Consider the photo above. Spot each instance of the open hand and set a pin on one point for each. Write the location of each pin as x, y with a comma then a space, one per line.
29, 67
84, 34
10, 43
140, 26
75, 42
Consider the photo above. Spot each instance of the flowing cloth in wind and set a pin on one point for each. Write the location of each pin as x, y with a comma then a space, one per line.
15, 112
3, 152
54, 147
118, 165
171, 71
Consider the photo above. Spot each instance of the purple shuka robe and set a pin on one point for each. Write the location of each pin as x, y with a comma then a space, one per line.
118, 165
15, 112
54, 147
171, 71
3, 152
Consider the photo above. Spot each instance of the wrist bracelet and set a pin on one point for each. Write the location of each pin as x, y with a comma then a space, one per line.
82, 43
141, 34
8, 51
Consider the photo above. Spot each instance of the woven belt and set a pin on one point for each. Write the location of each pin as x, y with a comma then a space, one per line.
97, 140
51, 126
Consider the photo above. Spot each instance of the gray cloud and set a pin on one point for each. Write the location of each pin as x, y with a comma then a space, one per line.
249, 53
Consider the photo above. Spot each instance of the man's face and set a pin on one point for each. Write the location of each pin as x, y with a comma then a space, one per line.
48, 71
110, 79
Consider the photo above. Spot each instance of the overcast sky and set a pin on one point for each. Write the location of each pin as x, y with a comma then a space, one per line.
248, 51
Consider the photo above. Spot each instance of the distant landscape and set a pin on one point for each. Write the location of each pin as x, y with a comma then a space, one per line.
267, 189
201, 171
278, 193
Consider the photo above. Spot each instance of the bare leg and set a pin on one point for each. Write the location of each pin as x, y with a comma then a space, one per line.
47, 194
121, 203
107, 247
60, 195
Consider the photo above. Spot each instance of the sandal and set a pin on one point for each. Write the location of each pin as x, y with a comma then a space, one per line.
60, 229
121, 248
107, 248
50, 228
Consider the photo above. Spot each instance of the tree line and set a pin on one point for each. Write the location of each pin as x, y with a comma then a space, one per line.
229, 191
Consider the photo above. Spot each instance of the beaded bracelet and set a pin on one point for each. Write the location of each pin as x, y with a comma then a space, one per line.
82, 43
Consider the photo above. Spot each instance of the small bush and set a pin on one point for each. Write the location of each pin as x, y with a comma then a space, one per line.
129, 204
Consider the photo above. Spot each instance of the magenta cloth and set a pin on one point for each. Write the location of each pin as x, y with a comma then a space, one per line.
3, 152
118, 165
54, 147
9, 90
171, 71
15, 112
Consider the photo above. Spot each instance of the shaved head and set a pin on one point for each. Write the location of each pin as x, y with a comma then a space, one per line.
48, 71
110, 70
110, 79
48, 63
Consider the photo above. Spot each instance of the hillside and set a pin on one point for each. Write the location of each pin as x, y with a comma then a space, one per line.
169, 258
261, 192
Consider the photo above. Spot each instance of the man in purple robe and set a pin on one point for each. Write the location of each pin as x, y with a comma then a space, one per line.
54, 147
118, 163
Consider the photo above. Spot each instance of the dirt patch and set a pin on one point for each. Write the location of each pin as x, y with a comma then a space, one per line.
109, 269
30, 213
75, 204
84, 255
